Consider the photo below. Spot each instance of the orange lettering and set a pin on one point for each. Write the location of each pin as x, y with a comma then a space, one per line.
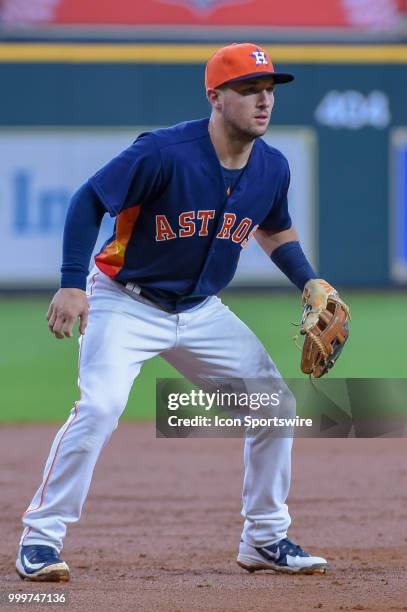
205, 215
163, 230
228, 222
241, 230
186, 224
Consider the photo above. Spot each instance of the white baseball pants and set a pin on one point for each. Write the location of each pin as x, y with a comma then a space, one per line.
207, 341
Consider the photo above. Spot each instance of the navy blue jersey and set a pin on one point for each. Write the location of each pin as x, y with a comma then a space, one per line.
179, 231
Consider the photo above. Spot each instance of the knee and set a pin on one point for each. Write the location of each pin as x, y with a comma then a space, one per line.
107, 409
98, 418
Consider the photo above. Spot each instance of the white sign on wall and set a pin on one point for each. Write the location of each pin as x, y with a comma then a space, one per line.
353, 110
41, 168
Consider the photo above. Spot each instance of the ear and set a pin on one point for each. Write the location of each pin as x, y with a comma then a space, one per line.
214, 98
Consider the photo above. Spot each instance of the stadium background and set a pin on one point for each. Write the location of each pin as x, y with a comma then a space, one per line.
77, 88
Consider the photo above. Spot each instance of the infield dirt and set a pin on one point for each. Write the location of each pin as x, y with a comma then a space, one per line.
161, 526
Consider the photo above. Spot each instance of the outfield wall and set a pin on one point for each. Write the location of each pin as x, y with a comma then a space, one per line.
349, 101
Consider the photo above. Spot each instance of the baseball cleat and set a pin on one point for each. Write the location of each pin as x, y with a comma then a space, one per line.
41, 563
284, 556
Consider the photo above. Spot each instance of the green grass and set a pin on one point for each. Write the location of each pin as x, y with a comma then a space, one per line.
38, 373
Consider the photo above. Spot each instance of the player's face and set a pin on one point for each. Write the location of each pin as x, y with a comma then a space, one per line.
246, 105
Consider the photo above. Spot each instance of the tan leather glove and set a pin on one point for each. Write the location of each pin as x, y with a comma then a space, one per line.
325, 325
315, 298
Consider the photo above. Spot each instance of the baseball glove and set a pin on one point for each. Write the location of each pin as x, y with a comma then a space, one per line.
325, 325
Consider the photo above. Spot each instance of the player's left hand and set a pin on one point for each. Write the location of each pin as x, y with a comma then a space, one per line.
325, 324
315, 298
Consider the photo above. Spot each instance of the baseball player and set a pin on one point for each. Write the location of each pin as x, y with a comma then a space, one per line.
186, 200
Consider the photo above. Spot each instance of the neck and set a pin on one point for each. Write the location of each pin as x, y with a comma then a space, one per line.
232, 147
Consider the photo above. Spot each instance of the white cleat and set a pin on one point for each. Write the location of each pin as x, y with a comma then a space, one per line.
284, 556
41, 563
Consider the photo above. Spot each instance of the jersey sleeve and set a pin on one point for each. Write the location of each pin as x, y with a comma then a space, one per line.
81, 230
131, 178
278, 218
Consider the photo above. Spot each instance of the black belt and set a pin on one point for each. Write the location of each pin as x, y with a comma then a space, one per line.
137, 293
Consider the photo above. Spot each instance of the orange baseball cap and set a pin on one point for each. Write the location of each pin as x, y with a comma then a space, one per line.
237, 62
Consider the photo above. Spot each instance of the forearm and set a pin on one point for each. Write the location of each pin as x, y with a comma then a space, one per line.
286, 253
291, 260
81, 230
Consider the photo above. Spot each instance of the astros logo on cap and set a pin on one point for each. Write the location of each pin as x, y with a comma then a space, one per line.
235, 62
260, 57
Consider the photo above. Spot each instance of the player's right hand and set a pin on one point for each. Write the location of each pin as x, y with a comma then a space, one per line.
67, 305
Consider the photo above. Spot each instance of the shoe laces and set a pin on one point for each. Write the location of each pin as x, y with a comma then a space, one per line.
41, 554
289, 548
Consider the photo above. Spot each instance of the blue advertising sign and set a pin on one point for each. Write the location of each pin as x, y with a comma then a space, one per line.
398, 239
